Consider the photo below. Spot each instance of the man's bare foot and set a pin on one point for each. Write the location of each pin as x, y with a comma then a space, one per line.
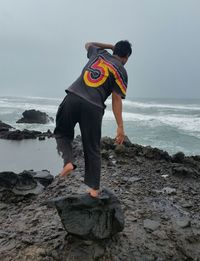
93, 192
67, 170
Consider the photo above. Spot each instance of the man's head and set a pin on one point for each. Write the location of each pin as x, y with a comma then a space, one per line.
123, 50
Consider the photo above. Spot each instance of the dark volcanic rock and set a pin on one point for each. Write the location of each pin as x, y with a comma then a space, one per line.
19, 135
24, 183
107, 143
33, 116
91, 218
183, 171
4, 126
8, 180
155, 153
24, 134
44, 177
178, 157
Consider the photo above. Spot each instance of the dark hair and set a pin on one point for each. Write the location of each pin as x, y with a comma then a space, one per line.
122, 49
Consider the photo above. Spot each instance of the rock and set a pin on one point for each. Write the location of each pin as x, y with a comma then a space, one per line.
155, 153
160, 234
165, 176
107, 143
127, 142
8, 180
85, 250
183, 222
4, 126
105, 154
178, 157
19, 135
44, 177
33, 116
7, 245
3, 206
182, 171
41, 138
24, 134
187, 205
25, 183
91, 218
134, 179
120, 149
151, 224
168, 190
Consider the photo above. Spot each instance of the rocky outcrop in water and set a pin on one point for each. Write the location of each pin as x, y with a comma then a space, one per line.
33, 116
7, 132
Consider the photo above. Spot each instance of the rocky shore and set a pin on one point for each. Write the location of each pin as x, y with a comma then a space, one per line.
160, 199
7, 132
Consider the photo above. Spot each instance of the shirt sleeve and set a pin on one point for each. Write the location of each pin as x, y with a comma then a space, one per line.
120, 83
92, 50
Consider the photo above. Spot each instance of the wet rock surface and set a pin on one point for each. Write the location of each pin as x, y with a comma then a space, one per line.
33, 116
161, 211
13, 185
91, 218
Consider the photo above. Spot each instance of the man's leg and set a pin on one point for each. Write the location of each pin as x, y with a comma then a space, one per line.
64, 149
90, 125
66, 119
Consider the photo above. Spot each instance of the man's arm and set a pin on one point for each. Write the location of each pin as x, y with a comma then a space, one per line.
117, 110
100, 45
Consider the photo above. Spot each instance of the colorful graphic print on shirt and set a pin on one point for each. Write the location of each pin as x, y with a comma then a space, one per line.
98, 72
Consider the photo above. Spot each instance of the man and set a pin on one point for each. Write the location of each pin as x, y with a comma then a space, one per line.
104, 74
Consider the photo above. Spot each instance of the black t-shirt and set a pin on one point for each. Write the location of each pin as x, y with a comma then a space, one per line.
102, 75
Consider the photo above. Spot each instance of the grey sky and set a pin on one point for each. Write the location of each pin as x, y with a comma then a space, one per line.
42, 44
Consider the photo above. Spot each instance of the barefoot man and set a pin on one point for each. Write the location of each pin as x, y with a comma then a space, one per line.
103, 75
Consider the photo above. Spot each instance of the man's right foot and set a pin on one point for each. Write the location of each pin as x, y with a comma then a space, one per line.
67, 170
93, 192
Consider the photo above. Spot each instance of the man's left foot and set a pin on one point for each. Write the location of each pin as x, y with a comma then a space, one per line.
67, 170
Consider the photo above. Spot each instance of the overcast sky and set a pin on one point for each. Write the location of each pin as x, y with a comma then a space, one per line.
42, 44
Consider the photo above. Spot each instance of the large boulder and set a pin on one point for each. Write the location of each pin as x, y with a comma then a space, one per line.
91, 218
33, 116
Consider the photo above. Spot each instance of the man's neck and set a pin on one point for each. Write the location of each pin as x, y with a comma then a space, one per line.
118, 58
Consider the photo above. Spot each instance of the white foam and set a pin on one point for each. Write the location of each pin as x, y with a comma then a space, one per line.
182, 122
28, 106
134, 104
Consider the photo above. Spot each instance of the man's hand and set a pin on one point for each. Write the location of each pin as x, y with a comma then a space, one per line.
120, 135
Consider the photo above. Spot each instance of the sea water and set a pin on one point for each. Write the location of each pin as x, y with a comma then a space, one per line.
171, 125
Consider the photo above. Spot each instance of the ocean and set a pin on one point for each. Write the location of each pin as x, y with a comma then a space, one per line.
171, 125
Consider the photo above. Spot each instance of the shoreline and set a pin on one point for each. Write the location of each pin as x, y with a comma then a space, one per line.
25, 154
